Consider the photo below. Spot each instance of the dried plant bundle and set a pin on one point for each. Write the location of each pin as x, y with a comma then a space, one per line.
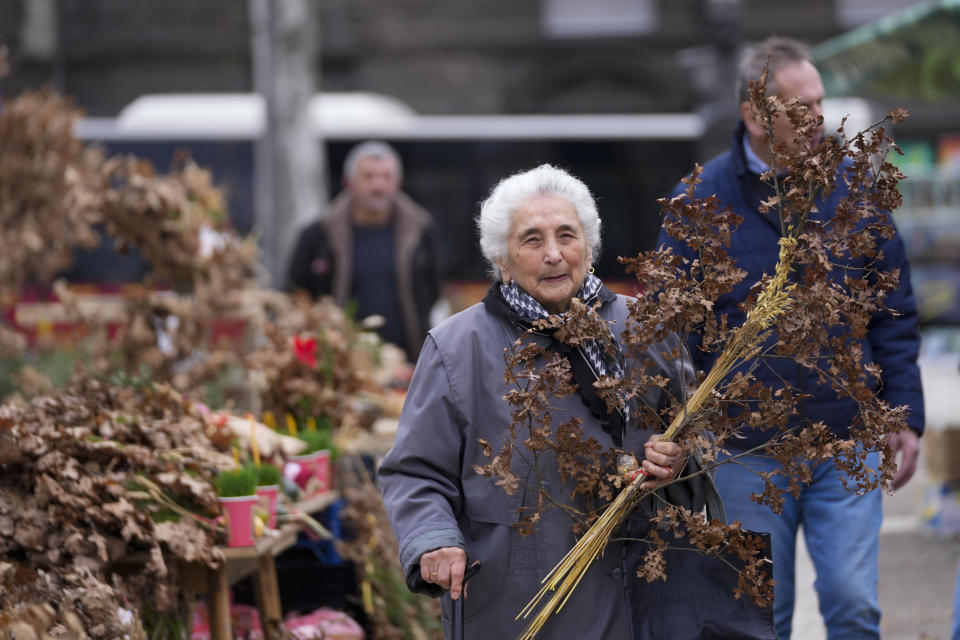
85, 476
95, 475
566, 575
837, 270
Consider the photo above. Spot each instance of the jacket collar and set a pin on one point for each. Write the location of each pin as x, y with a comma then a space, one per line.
495, 304
409, 220
737, 154
584, 375
749, 182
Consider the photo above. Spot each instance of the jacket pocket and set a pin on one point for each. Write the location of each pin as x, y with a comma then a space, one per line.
489, 503
509, 576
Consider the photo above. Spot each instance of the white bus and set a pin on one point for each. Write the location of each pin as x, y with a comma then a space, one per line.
450, 162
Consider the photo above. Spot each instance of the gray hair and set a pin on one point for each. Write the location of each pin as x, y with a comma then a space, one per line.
775, 51
370, 149
496, 212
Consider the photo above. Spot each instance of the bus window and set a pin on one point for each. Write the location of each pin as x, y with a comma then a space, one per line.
450, 162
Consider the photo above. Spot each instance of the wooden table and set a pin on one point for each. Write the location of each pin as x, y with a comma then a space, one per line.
316, 503
240, 562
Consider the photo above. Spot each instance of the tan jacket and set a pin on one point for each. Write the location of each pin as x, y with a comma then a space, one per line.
322, 262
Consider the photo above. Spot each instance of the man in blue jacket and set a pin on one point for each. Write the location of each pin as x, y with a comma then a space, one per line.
841, 528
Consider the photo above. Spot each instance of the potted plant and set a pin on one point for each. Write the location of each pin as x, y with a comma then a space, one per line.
268, 488
236, 489
314, 463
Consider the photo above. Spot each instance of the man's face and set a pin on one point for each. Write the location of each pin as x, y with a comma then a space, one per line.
374, 183
802, 81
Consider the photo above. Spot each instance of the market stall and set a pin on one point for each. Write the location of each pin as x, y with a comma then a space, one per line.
136, 415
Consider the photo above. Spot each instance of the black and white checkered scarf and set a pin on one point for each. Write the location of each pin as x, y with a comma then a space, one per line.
598, 354
603, 357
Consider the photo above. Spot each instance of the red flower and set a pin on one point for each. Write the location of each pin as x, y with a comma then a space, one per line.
305, 349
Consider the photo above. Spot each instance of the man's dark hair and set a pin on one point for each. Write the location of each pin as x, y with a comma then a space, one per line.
775, 51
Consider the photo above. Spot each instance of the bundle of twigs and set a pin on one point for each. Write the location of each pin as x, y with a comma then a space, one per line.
563, 578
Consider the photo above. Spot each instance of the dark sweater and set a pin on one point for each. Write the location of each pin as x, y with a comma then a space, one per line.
323, 263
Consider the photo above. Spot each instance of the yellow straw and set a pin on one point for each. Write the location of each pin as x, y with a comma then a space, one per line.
291, 424
236, 459
253, 440
773, 301
270, 420
311, 424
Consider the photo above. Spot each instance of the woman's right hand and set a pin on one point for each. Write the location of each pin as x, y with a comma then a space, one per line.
445, 567
662, 462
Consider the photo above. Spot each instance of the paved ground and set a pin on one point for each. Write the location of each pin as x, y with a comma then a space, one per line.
917, 575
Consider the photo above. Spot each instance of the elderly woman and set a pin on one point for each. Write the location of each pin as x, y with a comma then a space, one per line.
540, 232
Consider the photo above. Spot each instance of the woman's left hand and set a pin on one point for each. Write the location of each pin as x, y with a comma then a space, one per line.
663, 461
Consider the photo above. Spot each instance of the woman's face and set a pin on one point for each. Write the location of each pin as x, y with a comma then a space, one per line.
547, 254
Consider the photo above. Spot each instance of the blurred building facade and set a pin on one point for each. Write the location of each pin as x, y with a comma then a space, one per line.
477, 57
439, 56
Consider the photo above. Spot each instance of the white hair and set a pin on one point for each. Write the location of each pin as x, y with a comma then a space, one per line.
370, 149
496, 212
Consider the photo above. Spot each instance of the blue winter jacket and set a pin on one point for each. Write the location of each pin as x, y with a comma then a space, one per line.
892, 342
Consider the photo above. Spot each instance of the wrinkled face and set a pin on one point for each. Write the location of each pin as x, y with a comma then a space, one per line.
802, 81
547, 253
374, 183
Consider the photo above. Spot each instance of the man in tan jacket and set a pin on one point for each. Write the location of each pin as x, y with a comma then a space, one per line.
374, 246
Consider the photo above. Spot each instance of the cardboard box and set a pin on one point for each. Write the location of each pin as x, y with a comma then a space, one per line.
941, 448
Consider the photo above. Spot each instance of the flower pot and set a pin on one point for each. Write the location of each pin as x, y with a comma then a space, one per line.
313, 471
268, 500
239, 514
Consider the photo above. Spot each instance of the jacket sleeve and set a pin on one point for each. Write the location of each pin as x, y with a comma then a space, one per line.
420, 475
895, 339
664, 240
311, 244
699, 490
429, 271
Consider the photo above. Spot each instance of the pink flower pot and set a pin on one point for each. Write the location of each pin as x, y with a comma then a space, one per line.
239, 514
313, 474
268, 500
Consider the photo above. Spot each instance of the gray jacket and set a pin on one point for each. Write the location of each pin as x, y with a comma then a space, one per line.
434, 499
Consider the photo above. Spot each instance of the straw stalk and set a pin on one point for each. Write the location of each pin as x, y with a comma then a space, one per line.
564, 578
